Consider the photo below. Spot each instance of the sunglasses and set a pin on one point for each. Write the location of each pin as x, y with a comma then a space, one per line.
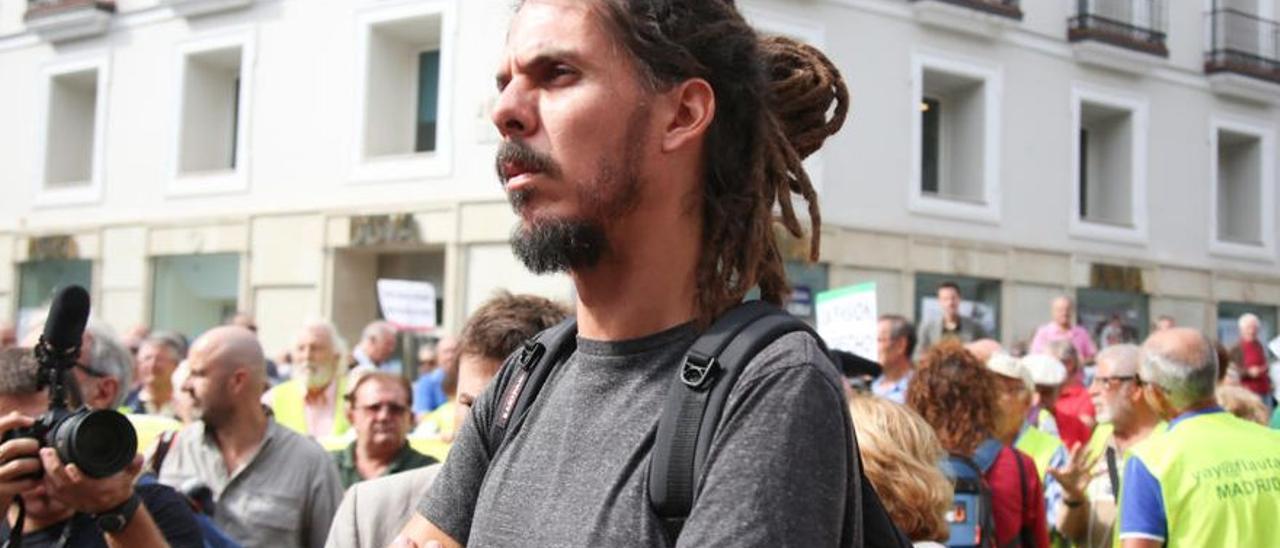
393, 409
90, 372
1115, 378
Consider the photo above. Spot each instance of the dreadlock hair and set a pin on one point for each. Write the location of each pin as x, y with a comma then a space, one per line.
773, 95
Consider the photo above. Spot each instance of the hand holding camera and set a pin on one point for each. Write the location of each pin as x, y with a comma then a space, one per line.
21, 468
76, 489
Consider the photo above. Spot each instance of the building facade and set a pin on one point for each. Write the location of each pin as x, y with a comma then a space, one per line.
188, 158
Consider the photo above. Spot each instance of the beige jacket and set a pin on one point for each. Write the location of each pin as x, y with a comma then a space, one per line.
373, 512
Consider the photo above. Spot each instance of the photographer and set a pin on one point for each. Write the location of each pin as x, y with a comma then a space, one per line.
66, 507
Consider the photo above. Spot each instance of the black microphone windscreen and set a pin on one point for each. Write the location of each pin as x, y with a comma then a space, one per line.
67, 317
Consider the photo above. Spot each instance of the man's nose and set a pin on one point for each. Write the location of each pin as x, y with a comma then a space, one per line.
515, 112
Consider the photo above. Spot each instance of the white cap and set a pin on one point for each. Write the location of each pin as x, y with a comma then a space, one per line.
1045, 370
1008, 366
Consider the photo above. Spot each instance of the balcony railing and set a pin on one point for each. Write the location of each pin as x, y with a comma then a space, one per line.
44, 8
1005, 8
1243, 43
1131, 24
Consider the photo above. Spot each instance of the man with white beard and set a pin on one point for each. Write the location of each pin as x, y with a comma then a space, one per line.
312, 402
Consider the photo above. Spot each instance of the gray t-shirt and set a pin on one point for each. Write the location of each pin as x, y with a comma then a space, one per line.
780, 470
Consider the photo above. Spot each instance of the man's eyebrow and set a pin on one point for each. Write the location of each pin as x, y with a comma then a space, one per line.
541, 59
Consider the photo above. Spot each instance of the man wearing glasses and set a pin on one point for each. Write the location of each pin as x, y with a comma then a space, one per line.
378, 408
1086, 513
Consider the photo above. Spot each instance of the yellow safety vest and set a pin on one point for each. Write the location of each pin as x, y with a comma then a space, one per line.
149, 428
1219, 480
288, 401
1040, 446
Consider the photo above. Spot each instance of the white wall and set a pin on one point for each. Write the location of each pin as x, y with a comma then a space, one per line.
303, 133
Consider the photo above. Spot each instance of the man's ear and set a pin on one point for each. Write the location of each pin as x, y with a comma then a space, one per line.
108, 389
694, 108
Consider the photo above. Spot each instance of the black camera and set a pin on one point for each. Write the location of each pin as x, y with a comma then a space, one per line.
100, 443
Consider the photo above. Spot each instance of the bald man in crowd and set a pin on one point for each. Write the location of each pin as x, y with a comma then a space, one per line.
273, 487
377, 348
1211, 479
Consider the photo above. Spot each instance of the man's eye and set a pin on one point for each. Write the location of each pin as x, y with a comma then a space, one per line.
559, 72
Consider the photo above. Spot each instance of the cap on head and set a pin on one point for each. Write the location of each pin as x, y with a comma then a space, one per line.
1045, 370
1008, 366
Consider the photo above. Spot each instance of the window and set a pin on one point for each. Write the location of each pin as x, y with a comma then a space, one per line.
956, 135
1108, 148
1113, 317
1243, 190
214, 85
38, 280
980, 300
402, 115
192, 293
70, 169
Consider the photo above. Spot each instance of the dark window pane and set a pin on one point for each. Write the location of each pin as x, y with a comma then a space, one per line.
1084, 173
428, 100
931, 118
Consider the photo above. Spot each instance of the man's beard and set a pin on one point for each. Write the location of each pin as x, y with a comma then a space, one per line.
316, 375
560, 245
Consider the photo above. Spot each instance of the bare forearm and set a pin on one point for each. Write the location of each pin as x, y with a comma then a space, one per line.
1074, 522
141, 532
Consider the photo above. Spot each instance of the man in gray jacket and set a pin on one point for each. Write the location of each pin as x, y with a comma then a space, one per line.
950, 325
273, 487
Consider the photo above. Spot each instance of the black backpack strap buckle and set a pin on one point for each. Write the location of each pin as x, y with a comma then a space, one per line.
698, 371
530, 353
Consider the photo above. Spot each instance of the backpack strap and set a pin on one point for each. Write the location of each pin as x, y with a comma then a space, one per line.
1024, 532
163, 444
697, 399
535, 360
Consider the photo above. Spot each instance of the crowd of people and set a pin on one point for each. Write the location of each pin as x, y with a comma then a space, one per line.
1054, 436
1077, 428
235, 457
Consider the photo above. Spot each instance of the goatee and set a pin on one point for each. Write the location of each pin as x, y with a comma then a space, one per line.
559, 245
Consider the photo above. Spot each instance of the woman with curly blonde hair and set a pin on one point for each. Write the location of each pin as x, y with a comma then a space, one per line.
900, 454
956, 395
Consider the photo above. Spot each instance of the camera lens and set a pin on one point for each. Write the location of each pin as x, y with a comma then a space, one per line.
101, 443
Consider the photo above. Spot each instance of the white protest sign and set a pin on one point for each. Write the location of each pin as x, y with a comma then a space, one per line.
847, 319
408, 304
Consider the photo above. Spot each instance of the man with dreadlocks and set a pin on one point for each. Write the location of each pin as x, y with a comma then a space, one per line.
646, 144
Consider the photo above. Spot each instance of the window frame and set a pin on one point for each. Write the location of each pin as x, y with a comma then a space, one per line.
1266, 250
992, 77
1081, 228
92, 192
225, 181
411, 166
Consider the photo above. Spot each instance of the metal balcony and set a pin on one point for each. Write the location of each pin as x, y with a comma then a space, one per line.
196, 8
980, 18
1244, 44
1003, 8
62, 20
1136, 25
